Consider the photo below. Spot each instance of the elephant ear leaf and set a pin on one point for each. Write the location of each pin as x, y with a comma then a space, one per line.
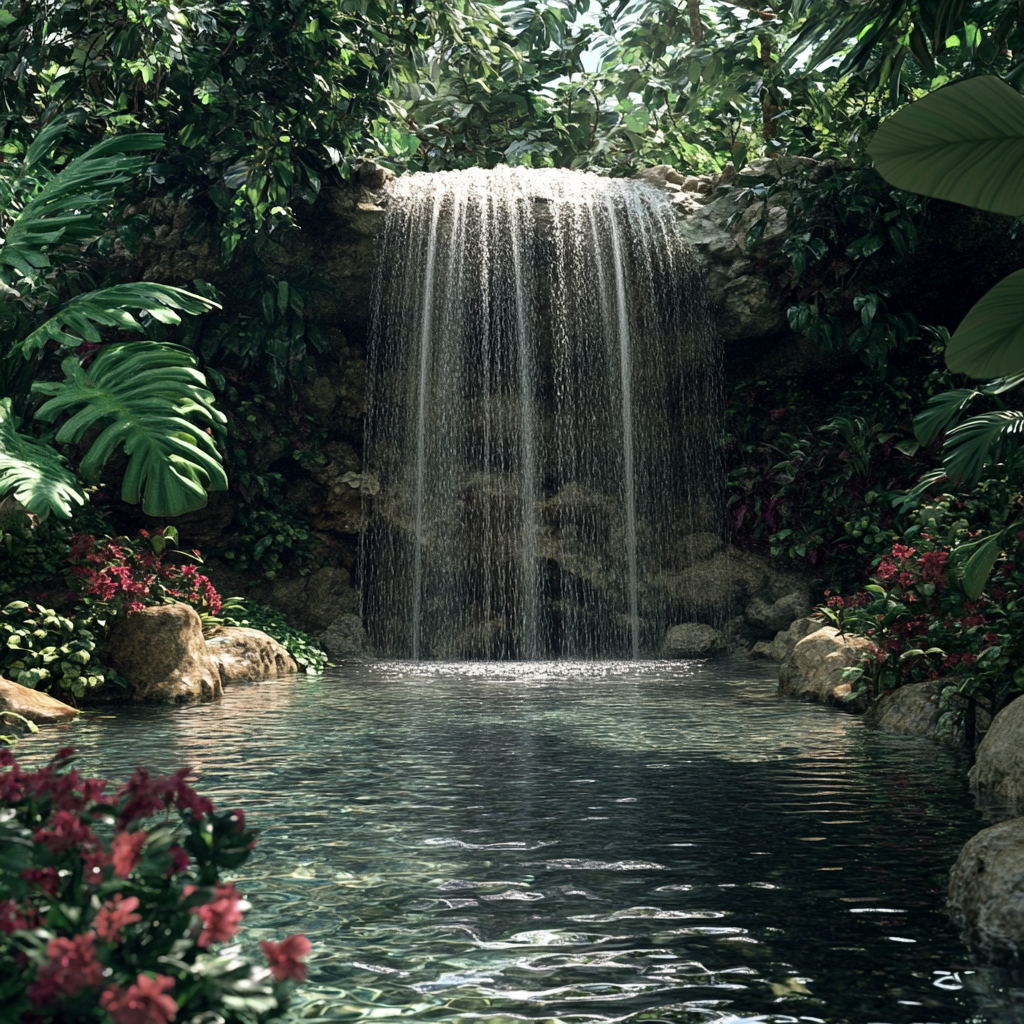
990, 339
964, 143
33, 472
149, 398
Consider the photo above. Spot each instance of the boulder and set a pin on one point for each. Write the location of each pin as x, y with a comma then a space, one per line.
986, 891
814, 670
772, 617
781, 647
37, 707
345, 639
248, 655
912, 710
998, 773
693, 640
162, 654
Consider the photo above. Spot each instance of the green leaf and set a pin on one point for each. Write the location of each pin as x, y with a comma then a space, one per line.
964, 143
147, 397
109, 307
978, 567
33, 472
990, 340
940, 412
978, 442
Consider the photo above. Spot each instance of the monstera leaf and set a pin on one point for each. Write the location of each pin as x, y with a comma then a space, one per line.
109, 307
33, 472
67, 206
149, 398
964, 143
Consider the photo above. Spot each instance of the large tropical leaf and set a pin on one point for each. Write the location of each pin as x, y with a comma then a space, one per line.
149, 398
964, 143
990, 340
76, 320
34, 472
942, 409
979, 441
67, 207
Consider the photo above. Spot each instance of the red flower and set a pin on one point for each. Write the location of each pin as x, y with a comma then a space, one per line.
66, 832
284, 958
95, 864
114, 915
222, 916
179, 861
72, 966
145, 1002
46, 878
15, 917
126, 850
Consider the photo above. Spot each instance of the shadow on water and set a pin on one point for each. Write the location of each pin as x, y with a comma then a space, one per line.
581, 841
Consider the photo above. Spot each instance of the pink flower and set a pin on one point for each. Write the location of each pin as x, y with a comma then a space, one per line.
46, 878
114, 915
15, 917
222, 916
145, 1002
126, 850
95, 864
179, 861
284, 958
72, 966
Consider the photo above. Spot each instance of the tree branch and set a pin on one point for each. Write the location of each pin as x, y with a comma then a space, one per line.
696, 28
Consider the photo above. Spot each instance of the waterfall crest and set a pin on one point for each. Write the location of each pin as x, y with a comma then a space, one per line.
543, 418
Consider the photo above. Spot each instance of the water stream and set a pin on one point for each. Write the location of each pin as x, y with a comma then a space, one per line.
585, 842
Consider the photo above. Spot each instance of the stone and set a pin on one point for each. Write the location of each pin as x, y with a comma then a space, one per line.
912, 710
787, 610
248, 655
814, 670
163, 655
998, 773
661, 174
693, 640
345, 639
373, 175
781, 647
37, 707
986, 891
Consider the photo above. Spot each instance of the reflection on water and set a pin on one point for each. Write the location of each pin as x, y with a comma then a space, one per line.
579, 842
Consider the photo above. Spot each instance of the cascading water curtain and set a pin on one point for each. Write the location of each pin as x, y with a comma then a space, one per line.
544, 419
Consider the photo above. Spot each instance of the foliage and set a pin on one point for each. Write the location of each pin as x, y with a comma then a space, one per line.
964, 143
301, 646
117, 575
127, 923
144, 396
928, 618
44, 650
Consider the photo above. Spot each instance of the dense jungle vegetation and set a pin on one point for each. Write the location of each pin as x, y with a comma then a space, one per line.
249, 110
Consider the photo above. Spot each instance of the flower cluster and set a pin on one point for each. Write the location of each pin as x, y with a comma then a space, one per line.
128, 575
112, 908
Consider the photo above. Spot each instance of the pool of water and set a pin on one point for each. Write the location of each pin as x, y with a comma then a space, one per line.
579, 842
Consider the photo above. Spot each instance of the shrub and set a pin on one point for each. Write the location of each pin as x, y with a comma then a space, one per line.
112, 906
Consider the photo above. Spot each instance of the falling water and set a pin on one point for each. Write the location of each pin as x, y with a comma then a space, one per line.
543, 419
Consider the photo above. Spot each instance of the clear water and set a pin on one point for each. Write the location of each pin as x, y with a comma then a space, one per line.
579, 842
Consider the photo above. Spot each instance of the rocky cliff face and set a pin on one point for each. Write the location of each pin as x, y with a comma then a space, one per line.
965, 254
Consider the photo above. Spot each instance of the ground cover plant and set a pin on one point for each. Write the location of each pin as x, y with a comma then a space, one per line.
113, 907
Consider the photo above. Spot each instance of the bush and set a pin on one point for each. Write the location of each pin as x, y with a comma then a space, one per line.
112, 908
30, 556
43, 650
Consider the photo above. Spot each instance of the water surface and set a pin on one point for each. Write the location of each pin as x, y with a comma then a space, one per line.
579, 842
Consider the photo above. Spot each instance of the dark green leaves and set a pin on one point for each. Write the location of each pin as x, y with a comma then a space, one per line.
151, 400
964, 143
33, 472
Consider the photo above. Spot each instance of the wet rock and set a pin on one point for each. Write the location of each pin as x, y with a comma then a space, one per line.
998, 773
373, 175
912, 710
770, 618
693, 640
163, 655
345, 639
986, 891
781, 647
814, 670
248, 655
31, 704
313, 602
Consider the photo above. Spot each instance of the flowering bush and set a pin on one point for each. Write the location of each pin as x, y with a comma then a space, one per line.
923, 623
112, 908
125, 575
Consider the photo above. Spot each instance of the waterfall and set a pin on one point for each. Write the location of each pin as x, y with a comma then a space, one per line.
543, 419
